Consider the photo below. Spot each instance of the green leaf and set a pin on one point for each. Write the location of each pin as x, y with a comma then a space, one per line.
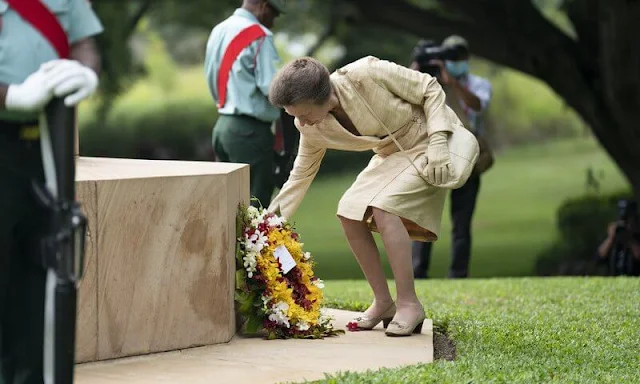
241, 279
245, 301
253, 324
239, 257
258, 200
241, 219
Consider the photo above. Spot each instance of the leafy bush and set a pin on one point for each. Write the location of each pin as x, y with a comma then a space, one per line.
178, 129
173, 129
582, 225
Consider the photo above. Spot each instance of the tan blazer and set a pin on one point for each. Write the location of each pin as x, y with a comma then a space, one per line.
412, 105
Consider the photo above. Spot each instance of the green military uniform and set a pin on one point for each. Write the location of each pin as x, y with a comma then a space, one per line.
22, 282
242, 133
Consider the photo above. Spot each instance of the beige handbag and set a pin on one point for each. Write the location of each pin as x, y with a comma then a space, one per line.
485, 157
463, 151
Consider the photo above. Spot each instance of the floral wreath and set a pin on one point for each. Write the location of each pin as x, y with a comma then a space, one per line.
276, 289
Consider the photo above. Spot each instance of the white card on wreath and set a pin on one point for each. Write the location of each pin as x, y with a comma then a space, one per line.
286, 260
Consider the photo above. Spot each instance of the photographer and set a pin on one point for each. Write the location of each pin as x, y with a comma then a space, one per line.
621, 248
469, 96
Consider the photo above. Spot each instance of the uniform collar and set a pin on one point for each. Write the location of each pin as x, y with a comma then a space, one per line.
246, 14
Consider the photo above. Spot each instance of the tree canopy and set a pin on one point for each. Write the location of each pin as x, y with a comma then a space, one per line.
585, 50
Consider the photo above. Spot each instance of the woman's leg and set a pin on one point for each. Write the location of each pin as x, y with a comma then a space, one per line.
364, 248
398, 245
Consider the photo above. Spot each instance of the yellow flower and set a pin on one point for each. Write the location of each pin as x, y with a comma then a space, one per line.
279, 291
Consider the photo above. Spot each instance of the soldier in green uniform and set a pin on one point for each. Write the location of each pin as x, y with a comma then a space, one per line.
31, 74
242, 133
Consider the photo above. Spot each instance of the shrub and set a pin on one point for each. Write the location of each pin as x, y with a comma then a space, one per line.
167, 129
177, 129
582, 225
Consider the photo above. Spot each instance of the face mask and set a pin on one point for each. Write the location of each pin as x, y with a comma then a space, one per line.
457, 68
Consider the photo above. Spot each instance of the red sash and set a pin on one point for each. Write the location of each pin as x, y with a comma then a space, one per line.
41, 18
240, 42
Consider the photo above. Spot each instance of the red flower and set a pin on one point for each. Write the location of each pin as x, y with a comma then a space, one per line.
353, 326
263, 227
268, 324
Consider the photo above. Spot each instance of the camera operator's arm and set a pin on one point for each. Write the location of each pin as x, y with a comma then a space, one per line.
635, 246
605, 248
469, 98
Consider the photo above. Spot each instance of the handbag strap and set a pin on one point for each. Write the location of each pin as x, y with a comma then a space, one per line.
386, 129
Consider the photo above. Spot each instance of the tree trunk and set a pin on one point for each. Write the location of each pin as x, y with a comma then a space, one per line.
597, 73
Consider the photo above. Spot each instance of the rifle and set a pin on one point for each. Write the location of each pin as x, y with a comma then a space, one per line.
63, 246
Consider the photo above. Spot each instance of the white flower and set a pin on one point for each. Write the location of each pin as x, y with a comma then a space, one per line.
256, 215
250, 263
279, 314
252, 212
319, 283
325, 320
303, 325
256, 242
307, 255
265, 301
275, 221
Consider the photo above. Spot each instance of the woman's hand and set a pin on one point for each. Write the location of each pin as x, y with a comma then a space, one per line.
438, 160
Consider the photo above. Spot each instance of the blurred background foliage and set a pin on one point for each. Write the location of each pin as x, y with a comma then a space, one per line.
154, 104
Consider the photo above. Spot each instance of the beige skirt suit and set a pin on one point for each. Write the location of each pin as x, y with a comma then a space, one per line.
412, 106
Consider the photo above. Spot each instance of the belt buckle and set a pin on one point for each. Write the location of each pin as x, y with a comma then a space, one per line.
30, 132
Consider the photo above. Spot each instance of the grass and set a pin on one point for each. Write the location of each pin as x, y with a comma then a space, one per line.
519, 330
514, 219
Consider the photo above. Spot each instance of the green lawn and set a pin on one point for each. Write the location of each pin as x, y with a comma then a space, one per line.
519, 330
515, 216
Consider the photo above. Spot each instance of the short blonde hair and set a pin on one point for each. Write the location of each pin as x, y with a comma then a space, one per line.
302, 80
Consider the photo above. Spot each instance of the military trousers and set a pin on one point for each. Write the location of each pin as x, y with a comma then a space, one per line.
244, 139
22, 281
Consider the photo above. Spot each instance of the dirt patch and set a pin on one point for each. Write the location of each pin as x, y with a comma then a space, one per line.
443, 347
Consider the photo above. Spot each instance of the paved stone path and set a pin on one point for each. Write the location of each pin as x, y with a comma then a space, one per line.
258, 361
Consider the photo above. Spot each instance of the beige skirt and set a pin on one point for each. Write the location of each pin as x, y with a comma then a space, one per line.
392, 184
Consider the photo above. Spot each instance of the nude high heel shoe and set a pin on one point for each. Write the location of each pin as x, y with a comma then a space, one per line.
404, 328
367, 323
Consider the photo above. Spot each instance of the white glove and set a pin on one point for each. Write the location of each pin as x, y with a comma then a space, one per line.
437, 169
71, 79
31, 95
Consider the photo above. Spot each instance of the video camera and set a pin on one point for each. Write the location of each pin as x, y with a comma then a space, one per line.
621, 261
627, 209
427, 50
